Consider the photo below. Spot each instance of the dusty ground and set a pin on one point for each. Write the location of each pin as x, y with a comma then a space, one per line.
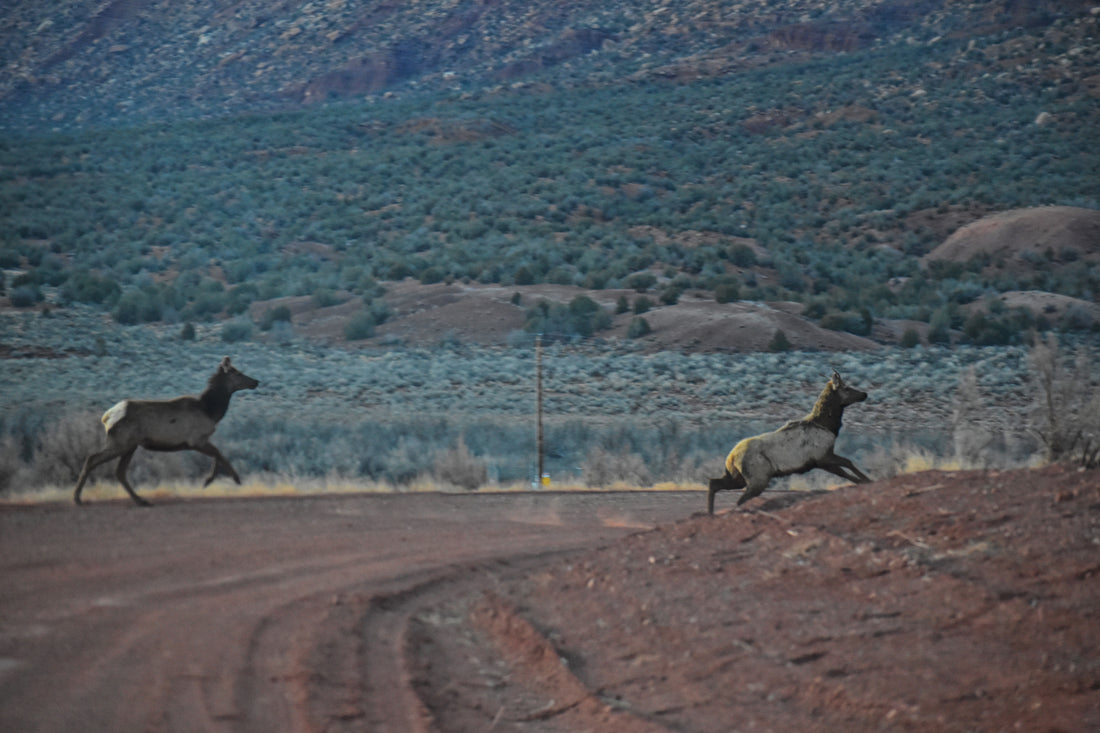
935, 601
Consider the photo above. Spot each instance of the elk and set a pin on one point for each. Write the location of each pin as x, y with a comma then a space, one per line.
797, 447
183, 423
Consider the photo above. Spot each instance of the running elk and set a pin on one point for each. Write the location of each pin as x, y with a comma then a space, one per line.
797, 447
183, 423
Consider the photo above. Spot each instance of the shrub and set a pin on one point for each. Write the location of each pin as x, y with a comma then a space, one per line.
910, 338
86, 287
641, 281
742, 255
602, 468
638, 327
779, 341
187, 333
969, 423
587, 315
939, 327
138, 306
360, 326
272, 315
25, 296
523, 276
63, 446
849, 321
642, 305
459, 467
1066, 411
582, 317
325, 298
236, 331
726, 292
10, 462
431, 275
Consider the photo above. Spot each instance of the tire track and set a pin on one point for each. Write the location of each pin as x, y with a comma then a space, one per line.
262, 615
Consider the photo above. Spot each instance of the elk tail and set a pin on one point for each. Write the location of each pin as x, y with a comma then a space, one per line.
113, 416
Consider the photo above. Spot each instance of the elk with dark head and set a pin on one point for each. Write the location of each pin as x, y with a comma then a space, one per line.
183, 423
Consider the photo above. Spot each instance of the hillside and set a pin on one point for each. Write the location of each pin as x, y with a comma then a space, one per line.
195, 162
148, 59
1022, 239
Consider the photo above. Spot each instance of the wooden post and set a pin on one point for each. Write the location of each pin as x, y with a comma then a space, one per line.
538, 401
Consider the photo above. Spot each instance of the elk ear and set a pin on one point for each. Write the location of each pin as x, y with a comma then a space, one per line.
837, 381
225, 363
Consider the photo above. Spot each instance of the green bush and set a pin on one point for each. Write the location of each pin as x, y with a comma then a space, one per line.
273, 315
638, 327
779, 341
25, 296
236, 331
138, 306
727, 292
360, 326
856, 323
641, 281
87, 287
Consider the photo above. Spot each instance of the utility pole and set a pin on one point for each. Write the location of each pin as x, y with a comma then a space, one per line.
538, 402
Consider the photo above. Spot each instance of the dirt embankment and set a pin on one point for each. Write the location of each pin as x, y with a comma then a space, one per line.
938, 601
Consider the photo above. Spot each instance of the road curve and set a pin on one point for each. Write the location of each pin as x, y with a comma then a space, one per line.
285, 614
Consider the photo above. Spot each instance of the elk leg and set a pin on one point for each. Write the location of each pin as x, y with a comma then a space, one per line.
838, 471
725, 483
861, 477
219, 462
120, 474
754, 489
93, 460
757, 471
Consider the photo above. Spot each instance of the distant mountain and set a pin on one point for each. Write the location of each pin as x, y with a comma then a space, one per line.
75, 62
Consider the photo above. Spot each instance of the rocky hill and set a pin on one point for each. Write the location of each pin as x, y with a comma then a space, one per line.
87, 61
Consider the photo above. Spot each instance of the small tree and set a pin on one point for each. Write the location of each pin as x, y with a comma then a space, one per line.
779, 341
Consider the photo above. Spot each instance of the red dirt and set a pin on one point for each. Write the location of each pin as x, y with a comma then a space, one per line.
935, 601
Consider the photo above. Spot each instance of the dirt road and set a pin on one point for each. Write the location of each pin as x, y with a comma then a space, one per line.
260, 615
940, 601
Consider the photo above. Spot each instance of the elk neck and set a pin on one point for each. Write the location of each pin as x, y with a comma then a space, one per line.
215, 398
828, 412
